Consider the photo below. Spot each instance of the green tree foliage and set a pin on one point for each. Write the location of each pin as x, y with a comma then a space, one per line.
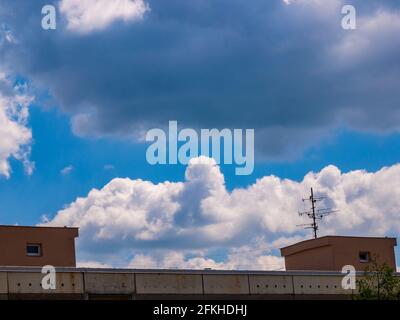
379, 282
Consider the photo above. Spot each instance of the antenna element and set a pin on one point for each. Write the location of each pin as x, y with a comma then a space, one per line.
315, 214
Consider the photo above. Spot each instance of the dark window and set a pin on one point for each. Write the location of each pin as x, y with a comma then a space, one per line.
34, 250
364, 256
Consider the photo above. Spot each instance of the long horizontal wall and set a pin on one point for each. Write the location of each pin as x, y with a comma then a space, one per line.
25, 283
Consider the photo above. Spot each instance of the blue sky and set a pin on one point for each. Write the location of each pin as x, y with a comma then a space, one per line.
315, 94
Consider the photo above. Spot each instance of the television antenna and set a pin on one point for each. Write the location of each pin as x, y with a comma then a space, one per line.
315, 214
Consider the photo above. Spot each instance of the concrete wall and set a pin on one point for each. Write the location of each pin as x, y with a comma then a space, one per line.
109, 283
269, 284
18, 283
226, 284
150, 283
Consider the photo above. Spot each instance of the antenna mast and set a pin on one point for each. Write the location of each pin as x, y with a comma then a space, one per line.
315, 214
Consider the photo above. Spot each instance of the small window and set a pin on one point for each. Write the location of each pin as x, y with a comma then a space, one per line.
33, 250
364, 256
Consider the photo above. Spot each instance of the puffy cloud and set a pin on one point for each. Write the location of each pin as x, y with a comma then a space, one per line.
85, 16
189, 223
131, 209
178, 260
15, 136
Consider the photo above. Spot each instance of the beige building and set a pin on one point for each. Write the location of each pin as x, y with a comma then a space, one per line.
331, 253
37, 246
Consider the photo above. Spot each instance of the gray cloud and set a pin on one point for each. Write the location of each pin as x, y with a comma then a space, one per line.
289, 71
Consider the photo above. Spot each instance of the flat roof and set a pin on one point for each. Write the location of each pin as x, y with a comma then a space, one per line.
182, 271
35, 227
43, 230
173, 271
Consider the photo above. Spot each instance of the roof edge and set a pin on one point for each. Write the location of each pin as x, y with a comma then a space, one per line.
331, 237
35, 227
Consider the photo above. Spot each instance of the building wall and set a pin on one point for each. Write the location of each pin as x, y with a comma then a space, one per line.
331, 253
347, 251
320, 258
58, 246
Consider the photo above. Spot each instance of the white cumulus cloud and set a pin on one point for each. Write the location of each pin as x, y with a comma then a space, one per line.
85, 16
92, 264
177, 260
15, 136
198, 223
